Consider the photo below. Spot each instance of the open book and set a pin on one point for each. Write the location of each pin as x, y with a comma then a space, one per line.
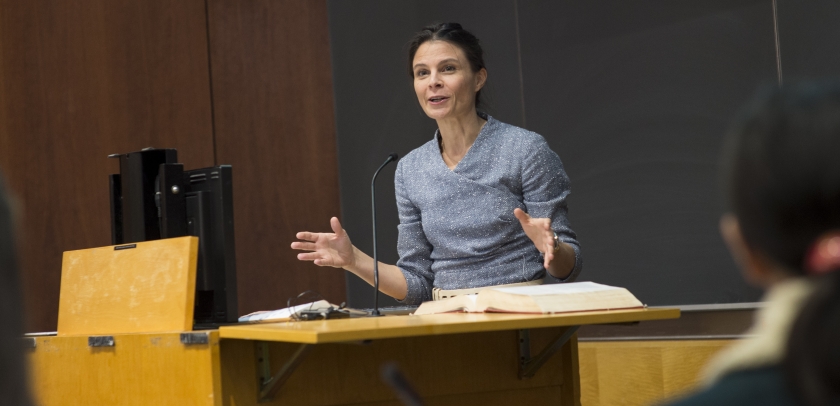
539, 299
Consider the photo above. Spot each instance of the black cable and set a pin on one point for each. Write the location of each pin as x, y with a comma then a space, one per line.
293, 315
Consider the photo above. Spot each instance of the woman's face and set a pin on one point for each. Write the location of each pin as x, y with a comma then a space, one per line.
444, 82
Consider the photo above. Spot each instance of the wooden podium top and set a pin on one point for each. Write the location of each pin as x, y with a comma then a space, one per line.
371, 328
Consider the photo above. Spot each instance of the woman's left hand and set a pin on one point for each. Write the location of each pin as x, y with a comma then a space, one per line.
540, 232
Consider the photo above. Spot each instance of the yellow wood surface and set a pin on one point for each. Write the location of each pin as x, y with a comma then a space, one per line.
372, 328
156, 369
455, 369
150, 288
451, 359
141, 369
631, 373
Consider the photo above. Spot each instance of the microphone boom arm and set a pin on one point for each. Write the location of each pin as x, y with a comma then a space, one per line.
375, 312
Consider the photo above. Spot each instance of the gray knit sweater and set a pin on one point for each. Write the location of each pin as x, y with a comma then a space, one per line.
457, 228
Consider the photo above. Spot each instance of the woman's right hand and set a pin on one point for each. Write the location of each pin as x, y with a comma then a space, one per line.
326, 249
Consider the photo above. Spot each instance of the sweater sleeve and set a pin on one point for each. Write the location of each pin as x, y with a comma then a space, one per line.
412, 246
545, 188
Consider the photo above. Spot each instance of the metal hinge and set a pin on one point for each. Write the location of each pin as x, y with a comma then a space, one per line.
195, 338
101, 341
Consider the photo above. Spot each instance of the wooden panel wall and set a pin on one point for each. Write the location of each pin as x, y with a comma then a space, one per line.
81, 79
640, 373
274, 122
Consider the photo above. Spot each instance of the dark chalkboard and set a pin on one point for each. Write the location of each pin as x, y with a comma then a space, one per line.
633, 96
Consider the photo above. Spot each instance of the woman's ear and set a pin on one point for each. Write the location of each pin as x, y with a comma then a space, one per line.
757, 269
480, 79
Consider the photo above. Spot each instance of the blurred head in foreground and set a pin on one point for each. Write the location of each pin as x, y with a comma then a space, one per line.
14, 388
782, 171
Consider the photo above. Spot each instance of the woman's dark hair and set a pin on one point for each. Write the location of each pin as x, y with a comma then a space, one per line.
456, 35
783, 183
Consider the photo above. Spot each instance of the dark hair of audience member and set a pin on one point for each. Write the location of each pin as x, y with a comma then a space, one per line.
454, 34
14, 387
783, 170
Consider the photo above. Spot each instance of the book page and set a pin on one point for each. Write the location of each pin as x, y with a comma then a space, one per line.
559, 298
465, 303
556, 289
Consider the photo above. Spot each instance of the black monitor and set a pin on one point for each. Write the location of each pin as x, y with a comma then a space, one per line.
153, 197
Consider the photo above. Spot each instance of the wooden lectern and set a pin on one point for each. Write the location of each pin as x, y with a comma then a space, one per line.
125, 338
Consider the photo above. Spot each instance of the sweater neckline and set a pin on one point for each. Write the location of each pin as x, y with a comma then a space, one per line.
482, 134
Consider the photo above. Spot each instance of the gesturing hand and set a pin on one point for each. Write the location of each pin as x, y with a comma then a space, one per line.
540, 232
327, 249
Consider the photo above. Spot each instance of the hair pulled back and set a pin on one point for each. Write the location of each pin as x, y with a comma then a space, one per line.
456, 35
783, 185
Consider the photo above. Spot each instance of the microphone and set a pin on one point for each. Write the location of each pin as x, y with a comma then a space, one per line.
375, 312
390, 374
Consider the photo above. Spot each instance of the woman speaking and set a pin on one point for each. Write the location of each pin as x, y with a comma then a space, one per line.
482, 204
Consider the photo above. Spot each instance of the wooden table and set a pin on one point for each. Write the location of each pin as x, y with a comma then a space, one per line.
449, 359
